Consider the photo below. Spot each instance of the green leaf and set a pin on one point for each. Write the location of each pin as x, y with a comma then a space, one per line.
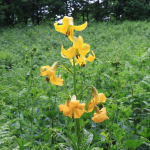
97, 144
50, 114
132, 144
144, 131
83, 123
66, 68
88, 138
30, 117
71, 138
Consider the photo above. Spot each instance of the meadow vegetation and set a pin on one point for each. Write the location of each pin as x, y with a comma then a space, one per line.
29, 113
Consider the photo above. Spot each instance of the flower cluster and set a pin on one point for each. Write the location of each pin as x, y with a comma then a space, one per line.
50, 71
79, 49
73, 108
99, 98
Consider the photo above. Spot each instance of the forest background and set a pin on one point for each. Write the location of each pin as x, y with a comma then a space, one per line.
38, 11
29, 113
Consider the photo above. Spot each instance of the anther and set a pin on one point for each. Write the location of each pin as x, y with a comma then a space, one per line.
68, 33
78, 56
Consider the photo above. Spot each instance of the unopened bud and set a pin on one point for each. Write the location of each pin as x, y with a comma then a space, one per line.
54, 66
97, 110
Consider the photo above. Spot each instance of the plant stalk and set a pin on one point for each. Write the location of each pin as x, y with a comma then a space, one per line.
77, 120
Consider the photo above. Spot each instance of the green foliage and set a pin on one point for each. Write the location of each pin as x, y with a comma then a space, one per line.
120, 71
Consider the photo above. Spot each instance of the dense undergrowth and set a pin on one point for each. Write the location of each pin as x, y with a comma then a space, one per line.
121, 71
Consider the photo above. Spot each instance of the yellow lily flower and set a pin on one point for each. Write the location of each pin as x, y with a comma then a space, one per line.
68, 27
73, 108
98, 98
100, 115
82, 59
50, 71
79, 49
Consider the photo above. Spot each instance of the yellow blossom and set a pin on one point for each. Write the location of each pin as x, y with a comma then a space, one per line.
79, 48
98, 98
72, 108
50, 71
68, 27
100, 115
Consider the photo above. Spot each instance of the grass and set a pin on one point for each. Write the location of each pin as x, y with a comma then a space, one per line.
121, 71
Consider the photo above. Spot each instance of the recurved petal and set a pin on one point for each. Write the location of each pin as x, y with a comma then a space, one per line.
71, 33
91, 106
74, 104
50, 72
103, 110
67, 111
78, 112
81, 60
102, 98
67, 20
81, 106
84, 50
68, 53
42, 68
90, 57
61, 107
44, 73
79, 43
95, 94
61, 28
45, 67
81, 27
56, 80
99, 118
71, 61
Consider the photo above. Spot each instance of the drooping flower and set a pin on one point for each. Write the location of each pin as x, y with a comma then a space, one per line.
50, 71
98, 98
72, 108
100, 115
68, 27
82, 59
79, 48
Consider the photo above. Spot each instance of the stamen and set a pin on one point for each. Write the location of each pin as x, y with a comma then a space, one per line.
78, 56
68, 33
83, 65
47, 79
97, 110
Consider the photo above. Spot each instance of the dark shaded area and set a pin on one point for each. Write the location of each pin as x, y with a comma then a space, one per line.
38, 11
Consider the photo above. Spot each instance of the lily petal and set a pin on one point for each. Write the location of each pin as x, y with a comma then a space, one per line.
91, 106
81, 27
56, 80
67, 20
81, 106
68, 53
90, 57
50, 72
79, 43
102, 98
71, 33
84, 50
99, 118
61, 28
81, 60
74, 104
43, 73
78, 113
67, 112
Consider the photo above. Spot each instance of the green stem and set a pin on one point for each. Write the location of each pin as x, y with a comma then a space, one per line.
89, 86
32, 113
74, 77
77, 120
